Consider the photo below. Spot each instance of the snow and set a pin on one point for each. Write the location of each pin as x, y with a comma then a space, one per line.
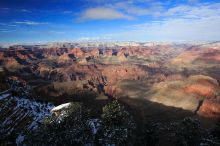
19, 139
94, 123
21, 108
36, 110
4, 96
23, 112
61, 107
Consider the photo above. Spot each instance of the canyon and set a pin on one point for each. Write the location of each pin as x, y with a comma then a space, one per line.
166, 81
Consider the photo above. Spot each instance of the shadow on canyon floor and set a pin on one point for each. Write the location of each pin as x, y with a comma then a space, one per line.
144, 110
90, 99
141, 109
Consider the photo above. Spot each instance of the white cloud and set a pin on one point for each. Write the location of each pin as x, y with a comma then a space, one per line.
26, 22
181, 23
193, 1
67, 12
198, 11
88, 38
25, 11
100, 38
130, 8
102, 13
182, 29
121, 10
56, 32
5, 30
116, 1
5, 8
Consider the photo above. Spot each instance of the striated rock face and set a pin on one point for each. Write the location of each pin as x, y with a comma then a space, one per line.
10, 62
53, 51
121, 56
198, 54
116, 73
174, 77
1, 55
108, 52
202, 90
83, 61
30, 56
167, 74
186, 57
203, 86
211, 55
210, 109
65, 58
77, 52
207, 90
93, 53
174, 91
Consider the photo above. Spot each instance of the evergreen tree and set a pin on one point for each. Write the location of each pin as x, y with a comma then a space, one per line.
117, 125
71, 127
214, 135
149, 135
188, 132
216, 131
3, 84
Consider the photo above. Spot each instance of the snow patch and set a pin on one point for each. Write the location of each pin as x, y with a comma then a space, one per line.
95, 125
19, 139
37, 110
4, 96
61, 107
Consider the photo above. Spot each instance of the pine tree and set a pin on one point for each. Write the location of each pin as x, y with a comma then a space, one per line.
117, 125
71, 127
214, 136
187, 132
3, 84
216, 131
149, 134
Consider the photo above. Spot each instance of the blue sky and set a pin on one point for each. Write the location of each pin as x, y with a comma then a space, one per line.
114, 20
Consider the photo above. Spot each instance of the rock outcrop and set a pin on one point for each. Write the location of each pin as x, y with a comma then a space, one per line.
210, 109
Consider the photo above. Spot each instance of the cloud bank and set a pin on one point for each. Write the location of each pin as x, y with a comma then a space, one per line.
181, 23
102, 13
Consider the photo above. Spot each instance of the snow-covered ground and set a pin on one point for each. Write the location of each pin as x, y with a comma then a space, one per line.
63, 108
21, 113
36, 109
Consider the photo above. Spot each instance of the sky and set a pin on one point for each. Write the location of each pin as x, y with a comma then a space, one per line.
26, 21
